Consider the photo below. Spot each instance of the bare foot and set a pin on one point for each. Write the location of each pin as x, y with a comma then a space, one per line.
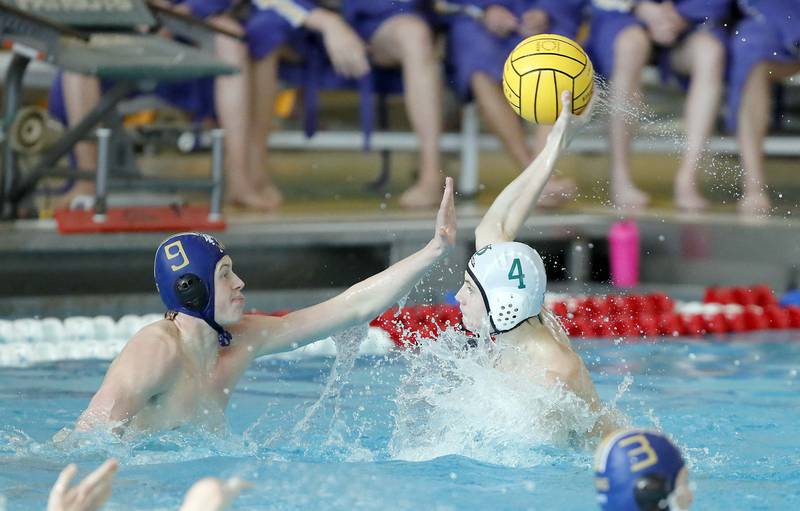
754, 204
557, 191
629, 197
78, 189
687, 198
268, 199
422, 195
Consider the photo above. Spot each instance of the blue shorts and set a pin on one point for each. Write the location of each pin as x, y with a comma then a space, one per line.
366, 16
604, 28
754, 41
472, 48
266, 31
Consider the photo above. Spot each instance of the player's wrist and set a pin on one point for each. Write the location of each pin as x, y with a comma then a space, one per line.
435, 250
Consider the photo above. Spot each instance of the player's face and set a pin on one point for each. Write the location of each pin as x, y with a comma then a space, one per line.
682, 497
470, 301
228, 297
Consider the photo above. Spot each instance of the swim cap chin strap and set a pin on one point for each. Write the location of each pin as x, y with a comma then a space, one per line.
184, 273
512, 280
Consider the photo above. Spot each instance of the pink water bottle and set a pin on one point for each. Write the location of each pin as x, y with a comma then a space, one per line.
623, 242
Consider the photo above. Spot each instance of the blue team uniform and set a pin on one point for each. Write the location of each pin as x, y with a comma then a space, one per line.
770, 30
610, 17
472, 48
270, 23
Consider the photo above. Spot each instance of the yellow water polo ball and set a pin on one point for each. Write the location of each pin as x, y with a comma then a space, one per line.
539, 69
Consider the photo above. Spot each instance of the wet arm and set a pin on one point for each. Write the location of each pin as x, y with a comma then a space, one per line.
143, 370
363, 301
510, 209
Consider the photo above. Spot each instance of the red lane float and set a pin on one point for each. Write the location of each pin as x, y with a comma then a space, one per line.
724, 310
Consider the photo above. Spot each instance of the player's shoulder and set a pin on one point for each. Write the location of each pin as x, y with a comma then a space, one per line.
550, 349
160, 340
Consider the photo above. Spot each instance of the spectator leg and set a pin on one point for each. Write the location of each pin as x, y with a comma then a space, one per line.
753, 122
265, 90
408, 41
81, 95
702, 57
233, 96
631, 53
500, 117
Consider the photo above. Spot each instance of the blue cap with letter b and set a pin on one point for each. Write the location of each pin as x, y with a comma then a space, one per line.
635, 470
184, 272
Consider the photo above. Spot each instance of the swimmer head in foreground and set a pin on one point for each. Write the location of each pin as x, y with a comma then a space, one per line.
640, 470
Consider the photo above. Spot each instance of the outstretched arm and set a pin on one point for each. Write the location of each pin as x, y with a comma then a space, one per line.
360, 303
510, 209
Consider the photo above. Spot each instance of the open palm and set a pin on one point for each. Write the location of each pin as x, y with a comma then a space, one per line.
445, 235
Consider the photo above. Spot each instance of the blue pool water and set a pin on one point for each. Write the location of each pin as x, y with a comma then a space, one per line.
732, 404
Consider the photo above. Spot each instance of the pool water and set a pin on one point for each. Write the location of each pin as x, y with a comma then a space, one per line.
733, 404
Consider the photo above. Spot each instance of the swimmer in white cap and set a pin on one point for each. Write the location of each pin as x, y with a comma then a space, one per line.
505, 282
183, 369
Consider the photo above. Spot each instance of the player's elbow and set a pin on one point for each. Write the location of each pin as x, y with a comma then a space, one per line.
488, 233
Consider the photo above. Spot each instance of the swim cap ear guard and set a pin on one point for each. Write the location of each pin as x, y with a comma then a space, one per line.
636, 470
512, 281
184, 273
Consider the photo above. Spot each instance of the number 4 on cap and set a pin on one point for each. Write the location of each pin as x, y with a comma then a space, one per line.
515, 273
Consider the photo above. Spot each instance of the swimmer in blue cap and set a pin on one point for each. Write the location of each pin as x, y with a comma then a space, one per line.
183, 368
505, 284
639, 470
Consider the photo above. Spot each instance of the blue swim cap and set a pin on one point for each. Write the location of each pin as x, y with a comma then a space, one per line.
184, 273
635, 470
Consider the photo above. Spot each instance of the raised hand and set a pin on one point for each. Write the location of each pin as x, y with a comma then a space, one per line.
567, 123
89, 495
444, 238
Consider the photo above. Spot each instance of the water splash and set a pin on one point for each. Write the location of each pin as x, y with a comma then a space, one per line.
458, 401
326, 416
183, 444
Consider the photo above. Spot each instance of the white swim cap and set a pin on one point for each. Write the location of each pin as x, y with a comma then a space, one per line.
512, 281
